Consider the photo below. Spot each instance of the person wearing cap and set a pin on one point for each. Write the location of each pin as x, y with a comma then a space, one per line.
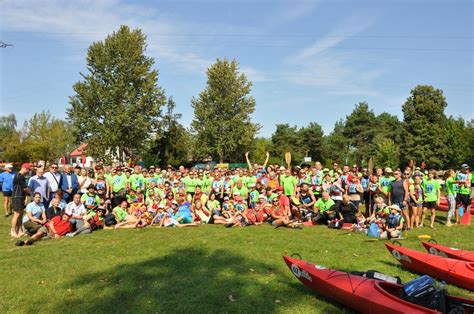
90, 199
69, 184
6, 181
432, 190
394, 224
385, 184
20, 190
464, 183
93, 221
56, 228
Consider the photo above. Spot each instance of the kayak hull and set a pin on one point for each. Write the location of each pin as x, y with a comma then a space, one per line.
359, 293
444, 206
460, 273
444, 251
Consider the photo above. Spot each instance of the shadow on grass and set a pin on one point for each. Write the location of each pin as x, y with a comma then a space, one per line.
187, 280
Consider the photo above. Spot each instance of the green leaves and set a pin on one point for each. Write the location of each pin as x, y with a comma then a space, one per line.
222, 114
118, 103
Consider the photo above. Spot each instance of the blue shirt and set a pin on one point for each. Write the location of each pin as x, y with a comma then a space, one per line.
40, 185
35, 209
6, 178
184, 211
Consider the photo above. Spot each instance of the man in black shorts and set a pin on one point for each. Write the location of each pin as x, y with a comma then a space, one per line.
20, 190
6, 181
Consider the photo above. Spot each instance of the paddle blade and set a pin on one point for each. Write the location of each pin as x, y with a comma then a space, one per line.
288, 158
371, 165
424, 236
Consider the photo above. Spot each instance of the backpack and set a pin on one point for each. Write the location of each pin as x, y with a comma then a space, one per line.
374, 230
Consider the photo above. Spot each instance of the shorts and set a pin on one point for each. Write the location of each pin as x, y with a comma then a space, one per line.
463, 199
18, 204
430, 205
44, 230
186, 219
7, 193
400, 204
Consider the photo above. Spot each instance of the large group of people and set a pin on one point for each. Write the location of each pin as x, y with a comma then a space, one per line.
48, 203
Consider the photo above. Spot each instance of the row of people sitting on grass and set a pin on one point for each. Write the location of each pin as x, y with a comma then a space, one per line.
76, 218
300, 199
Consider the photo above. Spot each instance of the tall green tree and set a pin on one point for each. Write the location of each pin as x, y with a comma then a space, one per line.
457, 136
312, 141
46, 138
424, 127
359, 129
222, 121
387, 153
261, 146
336, 145
7, 132
286, 138
470, 143
173, 142
118, 103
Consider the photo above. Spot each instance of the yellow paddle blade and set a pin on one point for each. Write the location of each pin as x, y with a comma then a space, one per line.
424, 236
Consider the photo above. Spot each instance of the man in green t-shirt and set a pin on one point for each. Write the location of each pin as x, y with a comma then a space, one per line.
325, 209
385, 184
119, 181
432, 190
289, 182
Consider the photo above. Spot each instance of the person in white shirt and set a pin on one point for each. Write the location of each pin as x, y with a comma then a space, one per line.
77, 211
53, 177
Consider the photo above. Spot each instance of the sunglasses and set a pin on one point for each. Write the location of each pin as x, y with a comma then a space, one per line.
407, 173
54, 167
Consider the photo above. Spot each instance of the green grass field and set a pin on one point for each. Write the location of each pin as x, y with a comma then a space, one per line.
205, 269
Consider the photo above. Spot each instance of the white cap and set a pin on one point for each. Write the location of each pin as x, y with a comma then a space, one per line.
8, 166
161, 206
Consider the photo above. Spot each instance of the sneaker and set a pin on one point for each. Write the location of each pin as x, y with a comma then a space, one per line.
449, 224
19, 243
228, 225
29, 242
70, 235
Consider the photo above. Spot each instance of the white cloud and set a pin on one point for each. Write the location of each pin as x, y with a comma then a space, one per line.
81, 22
341, 73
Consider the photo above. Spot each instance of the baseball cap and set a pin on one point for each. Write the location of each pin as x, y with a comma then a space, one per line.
8, 166
26, 165
388, 170
396, 207
464, 166
226, 198
325, 170
91, 186
261, 197
161, 206
282, 168
279, 188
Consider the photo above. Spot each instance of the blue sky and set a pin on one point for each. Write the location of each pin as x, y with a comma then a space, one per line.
308, 60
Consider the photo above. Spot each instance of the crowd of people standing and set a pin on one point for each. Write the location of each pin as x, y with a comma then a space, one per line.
46, 202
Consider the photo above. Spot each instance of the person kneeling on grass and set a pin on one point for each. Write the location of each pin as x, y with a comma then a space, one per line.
92, 221
56, 228
325, 209
394, 224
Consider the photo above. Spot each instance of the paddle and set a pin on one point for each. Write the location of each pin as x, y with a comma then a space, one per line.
288, 158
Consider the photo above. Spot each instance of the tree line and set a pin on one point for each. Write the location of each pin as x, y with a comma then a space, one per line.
118, 104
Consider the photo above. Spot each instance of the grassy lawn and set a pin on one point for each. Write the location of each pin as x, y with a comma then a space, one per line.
191, 269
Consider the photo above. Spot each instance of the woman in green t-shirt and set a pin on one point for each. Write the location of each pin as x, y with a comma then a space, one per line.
451, 195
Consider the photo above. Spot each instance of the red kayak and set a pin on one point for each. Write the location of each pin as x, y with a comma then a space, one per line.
449, 252
360, 293
443, 205
460, 273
